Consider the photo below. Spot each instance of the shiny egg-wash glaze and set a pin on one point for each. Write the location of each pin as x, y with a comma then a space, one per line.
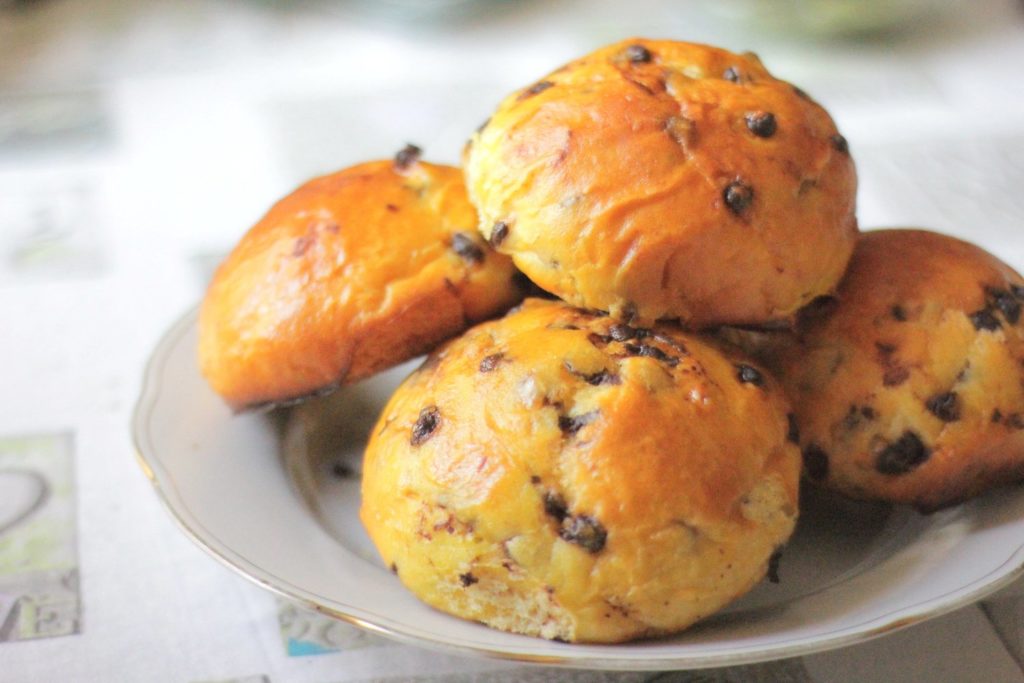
348, 275
659, 179
559, 474
909, 387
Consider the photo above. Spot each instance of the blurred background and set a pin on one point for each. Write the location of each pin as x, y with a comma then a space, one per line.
139, 140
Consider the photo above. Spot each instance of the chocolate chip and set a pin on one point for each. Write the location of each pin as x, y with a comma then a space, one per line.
945, 406
997, 415
840, 144
407, 156
761, 123
490, 362
773, 566
535, 89
984, 320
749, 375
649, 351
895, 376
868, 412
598, 340
601, 377
393, 208
498, 233
815, 462
902, 455
570, 424
1017, 291
885, 348
1015, 420
467, 248
426, 424
534, 479
621, 333
585, 532
555, 506
898, 313
637, 54
394, 568
467, 579
738, 196
1006, 303
793, 431
732, 74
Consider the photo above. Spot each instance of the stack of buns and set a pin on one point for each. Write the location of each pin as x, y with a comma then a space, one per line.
623, 458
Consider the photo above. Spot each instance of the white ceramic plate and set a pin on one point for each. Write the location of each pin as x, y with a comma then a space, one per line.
281, 508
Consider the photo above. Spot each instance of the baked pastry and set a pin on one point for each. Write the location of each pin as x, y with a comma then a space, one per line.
352, 273
559, 474
660, 179
910, 386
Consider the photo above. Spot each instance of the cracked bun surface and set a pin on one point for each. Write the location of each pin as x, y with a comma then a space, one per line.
559, 474
348, 275
910, 387
658, 179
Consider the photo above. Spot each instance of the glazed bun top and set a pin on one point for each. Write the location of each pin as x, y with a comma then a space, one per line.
351, 273
662, 179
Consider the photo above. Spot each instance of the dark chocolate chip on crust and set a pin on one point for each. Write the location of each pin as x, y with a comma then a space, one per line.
898, 313
815, 462
1006, 303
945, 406
732, 74
903, 455
793, 429
761, 123
749, 375
646, 350
426, 424
638, 54
595, 378
840, 144
467, 248
584, 531
570, 424
490, 362
498, 233
1017, 291
407, 156
536, 89
985, 320
738, 196
997, 415
467, 579
620, 332
555, 506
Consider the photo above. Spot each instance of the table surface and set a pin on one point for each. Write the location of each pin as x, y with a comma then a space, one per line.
139, 140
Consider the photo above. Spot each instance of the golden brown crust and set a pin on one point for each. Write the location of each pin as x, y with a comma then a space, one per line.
351, 273
668, 180
911, 389
555, 474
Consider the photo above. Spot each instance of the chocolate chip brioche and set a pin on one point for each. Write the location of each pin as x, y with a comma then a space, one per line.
559, 474
350, 274
909, 386
659, 179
